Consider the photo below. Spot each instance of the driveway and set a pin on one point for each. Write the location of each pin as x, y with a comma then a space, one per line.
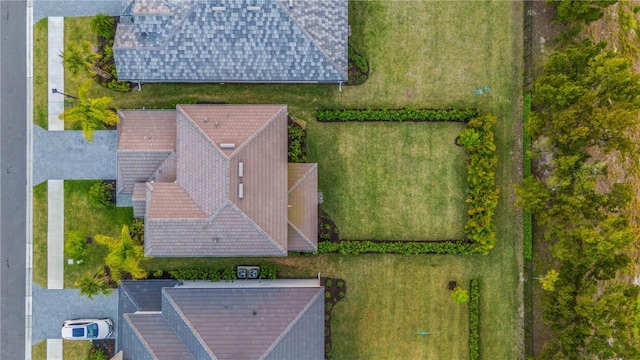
44, 8
66, 155
52, 307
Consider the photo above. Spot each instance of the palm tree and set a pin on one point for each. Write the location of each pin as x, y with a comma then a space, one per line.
94, 285
77, 58
91, 113
125, 256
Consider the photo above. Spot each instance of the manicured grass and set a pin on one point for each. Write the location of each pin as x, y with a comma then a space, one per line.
75, 349
40, 71
39, 351
423, 54
394, 181
81, 215
40, 218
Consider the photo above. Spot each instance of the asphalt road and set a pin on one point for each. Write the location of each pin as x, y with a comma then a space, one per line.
13, 177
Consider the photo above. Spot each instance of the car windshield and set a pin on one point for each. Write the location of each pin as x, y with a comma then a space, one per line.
92, 330
78, 332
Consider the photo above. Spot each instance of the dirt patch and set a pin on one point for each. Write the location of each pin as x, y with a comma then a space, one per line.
327, 229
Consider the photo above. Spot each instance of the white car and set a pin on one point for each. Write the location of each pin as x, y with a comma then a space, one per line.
87, 329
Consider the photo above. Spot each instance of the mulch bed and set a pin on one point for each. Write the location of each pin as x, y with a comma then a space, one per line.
335, 290
327, 229
113, 189
108, 346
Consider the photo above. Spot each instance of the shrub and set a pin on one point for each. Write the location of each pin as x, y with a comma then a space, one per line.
102, 26
358, 60
459, 295
137, 231
340, 284
395, 247
327, 294
528, 235
297, 140
122, 86
328, 283
75, 245
158, 273
396, 115
341, 294
97, 354
268, 272
228, 274
482, 196
101, 194
474, 321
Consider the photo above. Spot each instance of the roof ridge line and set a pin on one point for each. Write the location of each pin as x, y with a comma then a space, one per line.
150, 184
139, 335
131, 298
291, 324
306, 33
314, 166
304, 237
258, 132
193, 330
255, 226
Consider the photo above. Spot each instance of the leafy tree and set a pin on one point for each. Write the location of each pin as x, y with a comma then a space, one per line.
587, 96
585, 11
549, 280
102, 25
125, 256
78, 58
96, 284
91, 113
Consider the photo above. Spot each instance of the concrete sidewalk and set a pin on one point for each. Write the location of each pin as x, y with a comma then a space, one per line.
55, 201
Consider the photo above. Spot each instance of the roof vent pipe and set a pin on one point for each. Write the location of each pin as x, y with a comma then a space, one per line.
253, 8
240, 169
240, 191
291, 3
227, 146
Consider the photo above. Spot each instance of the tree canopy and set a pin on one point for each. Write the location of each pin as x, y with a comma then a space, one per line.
91, 113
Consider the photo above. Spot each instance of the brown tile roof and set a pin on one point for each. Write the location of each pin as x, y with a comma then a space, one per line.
156, 336
170, 201
239, 196
147, 130
231, 124
257, 323
303, 207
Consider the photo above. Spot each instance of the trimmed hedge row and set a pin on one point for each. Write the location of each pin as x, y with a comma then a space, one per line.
396, 115
526, 143
474, 321
356, 247
227, 274
482, 196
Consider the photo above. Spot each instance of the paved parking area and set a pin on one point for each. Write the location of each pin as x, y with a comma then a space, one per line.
66, 155
52, 307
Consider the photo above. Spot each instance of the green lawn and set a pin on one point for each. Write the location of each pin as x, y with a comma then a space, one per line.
81, 215
39, 351
423, 54
40, 71
74, 349
40, 234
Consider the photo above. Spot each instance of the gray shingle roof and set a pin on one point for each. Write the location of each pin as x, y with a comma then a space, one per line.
227, 323
233, 41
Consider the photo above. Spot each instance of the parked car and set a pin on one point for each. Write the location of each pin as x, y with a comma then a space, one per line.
87, 329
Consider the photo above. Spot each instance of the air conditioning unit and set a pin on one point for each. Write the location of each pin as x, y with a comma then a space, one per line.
247, 272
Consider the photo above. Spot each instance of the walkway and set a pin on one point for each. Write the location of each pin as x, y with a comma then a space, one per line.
52, 307
55, 188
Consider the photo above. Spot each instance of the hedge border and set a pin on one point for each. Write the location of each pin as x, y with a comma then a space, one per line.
527, 221
356, 247
474, 320
399, 115
267, 271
